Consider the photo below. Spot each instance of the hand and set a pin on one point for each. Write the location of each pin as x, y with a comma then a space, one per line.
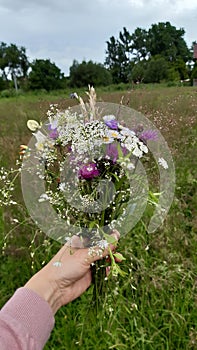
68, 274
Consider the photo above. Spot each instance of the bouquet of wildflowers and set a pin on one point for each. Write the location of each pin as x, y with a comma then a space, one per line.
82, 168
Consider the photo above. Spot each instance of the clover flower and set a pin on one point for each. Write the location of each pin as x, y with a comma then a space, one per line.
88, 171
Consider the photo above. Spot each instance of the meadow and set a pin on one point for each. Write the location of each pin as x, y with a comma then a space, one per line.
155, 306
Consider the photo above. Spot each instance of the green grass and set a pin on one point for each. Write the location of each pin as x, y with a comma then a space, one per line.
155, 306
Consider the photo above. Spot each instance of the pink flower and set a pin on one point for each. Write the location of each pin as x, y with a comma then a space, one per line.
88, 171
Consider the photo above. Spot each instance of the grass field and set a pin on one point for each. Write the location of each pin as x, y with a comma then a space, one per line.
155, 306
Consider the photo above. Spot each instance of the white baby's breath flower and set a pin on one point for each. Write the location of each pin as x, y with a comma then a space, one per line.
44, 197
14, 220
163, 163
103, 244
130, 166
62, 186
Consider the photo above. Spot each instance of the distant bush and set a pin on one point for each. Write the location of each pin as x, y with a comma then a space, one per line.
45, 75
11, 93
172, 83
85, 73
8, 93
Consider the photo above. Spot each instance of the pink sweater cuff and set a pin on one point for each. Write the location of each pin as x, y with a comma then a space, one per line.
32, 313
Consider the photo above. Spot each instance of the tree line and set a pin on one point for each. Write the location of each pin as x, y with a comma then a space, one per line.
149, 56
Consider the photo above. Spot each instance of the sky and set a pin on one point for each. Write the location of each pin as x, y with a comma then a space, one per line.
64, 30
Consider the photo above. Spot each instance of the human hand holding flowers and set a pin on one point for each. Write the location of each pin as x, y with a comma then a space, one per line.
68, 274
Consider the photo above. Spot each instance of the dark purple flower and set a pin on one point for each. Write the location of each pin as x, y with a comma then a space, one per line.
88, 171
112, 151
148, 135
112, 124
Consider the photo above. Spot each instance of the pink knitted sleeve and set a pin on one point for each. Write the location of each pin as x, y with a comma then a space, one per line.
26, 321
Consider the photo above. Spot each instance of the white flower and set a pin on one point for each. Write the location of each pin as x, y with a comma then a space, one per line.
107, 118
143, 147
53, 123
33, 125
42, 141
15, 221
127, 132
130, 166
163, 163
62, 186
44, 197
103, 244
137, 152
112, 134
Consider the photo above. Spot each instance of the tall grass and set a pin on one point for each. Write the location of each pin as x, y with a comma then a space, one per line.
155, 306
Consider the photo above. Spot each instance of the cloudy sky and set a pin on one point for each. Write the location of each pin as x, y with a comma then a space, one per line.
64, 30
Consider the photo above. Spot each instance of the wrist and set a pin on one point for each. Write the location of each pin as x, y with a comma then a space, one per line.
46, 289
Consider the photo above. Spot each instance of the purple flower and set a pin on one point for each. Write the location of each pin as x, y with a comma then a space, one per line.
112, 124
148, 135
88, 171
112, 151
53, 131
53, 134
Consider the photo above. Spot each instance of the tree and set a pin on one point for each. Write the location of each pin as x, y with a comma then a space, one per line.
167, 41
157, 70
118, 59
139, 44
85, 73
161, 39
3, 61
139, 71
45, 75
13, 62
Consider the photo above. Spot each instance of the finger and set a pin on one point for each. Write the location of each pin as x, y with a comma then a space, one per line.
98, 252
75, 242
87, 255
71, 246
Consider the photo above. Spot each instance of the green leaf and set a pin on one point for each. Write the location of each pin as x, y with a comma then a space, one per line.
110, 239
119, 256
